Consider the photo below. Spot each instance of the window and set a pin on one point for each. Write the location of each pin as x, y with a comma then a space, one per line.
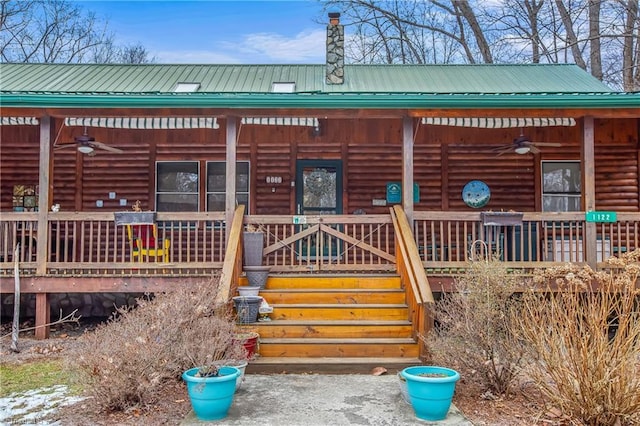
217, 184
177, 184
561, 186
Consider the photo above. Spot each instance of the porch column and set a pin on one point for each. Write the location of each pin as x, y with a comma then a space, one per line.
42, 299
43, 193
407, 168
587, 154
230, 200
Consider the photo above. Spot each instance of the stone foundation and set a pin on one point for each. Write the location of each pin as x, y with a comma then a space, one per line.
89, 305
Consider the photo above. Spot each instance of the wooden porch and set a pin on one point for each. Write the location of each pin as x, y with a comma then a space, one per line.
90, 253
90, 245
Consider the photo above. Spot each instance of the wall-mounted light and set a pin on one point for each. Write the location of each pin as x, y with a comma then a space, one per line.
316, 130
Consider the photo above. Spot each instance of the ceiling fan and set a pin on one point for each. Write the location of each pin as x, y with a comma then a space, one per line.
523, 145
87, 145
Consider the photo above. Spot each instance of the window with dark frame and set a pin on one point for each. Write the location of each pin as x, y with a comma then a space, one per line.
561, 186
217, 184
177, 186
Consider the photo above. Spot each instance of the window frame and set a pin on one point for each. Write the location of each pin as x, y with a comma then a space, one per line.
565, 194
207, 192
157, 189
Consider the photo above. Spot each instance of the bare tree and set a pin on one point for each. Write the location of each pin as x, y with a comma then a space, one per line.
58, 31
599, 36
631, 48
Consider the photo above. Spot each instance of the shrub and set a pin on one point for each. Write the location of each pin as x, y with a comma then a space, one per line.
473, 331
584, 334
125, 362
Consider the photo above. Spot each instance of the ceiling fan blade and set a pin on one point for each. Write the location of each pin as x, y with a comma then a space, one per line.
533, 149
546, 143
64, 146
106, 147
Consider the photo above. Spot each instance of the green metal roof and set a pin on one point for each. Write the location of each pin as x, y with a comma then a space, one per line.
249, 86
161, 78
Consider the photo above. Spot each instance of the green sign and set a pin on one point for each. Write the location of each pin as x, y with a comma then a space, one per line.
602, 217
394, 192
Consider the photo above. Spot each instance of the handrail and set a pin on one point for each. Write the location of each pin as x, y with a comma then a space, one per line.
232, 259
419, 296
404, 230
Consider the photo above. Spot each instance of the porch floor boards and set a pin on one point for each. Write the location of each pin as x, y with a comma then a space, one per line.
334, 324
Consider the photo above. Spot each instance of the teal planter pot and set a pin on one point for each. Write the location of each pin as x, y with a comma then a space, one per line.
211, 397
430, 390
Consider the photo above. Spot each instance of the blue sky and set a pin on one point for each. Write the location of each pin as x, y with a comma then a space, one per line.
258, 32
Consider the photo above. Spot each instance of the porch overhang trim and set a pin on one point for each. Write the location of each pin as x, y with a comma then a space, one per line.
323, 101
19, 121
498, 122
281, 121
161, 123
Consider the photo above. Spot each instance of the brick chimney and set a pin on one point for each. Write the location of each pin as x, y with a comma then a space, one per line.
335, 50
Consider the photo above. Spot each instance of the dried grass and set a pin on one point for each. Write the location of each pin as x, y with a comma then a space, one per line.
125, 362
584, 336
473, 332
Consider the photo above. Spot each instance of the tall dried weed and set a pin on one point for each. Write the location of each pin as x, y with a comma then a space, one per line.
584, 335
473, 331
125, 362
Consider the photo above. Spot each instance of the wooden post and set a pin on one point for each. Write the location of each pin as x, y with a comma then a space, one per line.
43, 194
230, 200
42, 299
43, 316
587, 153
407, 168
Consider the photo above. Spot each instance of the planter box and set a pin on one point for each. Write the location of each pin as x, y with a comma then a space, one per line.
134, 218
501, 218
253, 245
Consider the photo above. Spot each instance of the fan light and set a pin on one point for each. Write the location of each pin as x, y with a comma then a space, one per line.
85, 149
522, 149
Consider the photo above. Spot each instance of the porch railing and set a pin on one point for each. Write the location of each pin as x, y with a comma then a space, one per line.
86, 244
451, 239
91, 244
414, 280
327, 243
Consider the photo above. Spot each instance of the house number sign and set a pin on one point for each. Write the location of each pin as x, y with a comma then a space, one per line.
607, 217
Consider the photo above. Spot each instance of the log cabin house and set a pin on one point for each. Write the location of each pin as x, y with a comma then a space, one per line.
374, 184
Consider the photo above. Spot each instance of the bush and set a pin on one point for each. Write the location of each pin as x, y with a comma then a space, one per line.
125, 362
473, 331
584, 334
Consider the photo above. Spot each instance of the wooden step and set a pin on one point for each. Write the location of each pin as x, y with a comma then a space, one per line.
387, 312
333, 296
359, 281
328, 365
333, 329
314, 348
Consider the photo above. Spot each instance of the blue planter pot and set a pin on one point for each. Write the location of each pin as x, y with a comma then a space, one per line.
211, 397
430, 390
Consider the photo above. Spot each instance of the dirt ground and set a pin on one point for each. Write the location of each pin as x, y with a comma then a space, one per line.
479, 407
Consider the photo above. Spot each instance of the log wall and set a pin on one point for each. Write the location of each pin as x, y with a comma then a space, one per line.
445, 159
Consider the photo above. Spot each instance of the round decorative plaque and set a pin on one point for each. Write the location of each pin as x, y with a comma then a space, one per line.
476, 194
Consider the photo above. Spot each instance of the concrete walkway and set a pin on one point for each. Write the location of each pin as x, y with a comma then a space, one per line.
322, 400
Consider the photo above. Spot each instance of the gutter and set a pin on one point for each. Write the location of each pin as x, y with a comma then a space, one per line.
320, 101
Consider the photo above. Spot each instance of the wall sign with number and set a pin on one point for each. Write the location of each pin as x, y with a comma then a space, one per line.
607, 217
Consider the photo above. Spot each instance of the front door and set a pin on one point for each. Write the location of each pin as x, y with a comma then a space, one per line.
318, 192
318, 187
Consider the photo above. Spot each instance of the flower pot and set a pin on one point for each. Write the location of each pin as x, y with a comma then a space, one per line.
241, 366
253, 245
257, 275
211, 397
403, 388
247, 308
250, 342
247, 290
430, 390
